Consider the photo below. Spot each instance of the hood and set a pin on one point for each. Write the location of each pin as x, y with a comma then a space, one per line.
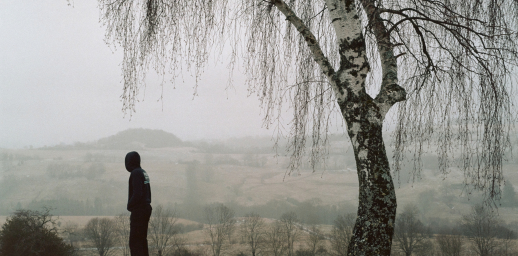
132, 161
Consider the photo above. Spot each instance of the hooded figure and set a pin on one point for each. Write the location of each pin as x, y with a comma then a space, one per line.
139, 204
139, 193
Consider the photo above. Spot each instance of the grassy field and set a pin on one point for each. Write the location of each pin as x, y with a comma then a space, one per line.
29, 175
181, 174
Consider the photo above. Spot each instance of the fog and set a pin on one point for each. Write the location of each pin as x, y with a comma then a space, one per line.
63, 137
61, 83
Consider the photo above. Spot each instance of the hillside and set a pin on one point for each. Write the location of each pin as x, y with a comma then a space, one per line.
133, 139
140, 138
93, 181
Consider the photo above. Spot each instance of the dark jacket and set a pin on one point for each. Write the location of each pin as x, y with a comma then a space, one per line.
139, 192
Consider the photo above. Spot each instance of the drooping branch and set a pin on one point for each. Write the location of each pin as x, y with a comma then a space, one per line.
310, 39
454, 58
458, 64
390, 92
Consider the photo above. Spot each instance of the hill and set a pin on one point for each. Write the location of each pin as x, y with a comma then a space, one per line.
140, 138
129, 139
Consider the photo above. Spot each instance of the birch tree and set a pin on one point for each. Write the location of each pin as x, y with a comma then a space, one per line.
449, 63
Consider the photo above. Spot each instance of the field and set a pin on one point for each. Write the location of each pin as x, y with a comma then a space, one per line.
33, 175
80, 183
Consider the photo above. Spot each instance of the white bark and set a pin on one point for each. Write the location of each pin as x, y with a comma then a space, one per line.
346, 22
313, 45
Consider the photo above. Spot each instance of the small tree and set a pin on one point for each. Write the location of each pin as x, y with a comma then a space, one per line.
163, 231
315, 239
289, 222
410, 233
450, 244
72, 232
252, 231
342, 233
102, 232
32, 233
122, 227
221, 222
274, 240
481, 225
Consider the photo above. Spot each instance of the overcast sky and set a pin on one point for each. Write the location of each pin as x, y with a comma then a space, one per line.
60, 83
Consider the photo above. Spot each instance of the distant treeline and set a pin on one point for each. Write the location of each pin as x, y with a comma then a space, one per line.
67, 207
66, 171
310, 211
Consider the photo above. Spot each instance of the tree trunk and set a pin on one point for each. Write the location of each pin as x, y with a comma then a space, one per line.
374, 227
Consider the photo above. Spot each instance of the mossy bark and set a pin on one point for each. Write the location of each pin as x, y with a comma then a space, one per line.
374, 227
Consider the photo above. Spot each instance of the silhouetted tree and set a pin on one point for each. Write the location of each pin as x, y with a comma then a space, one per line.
274, 244
72, 232
32, 233
102, 233
221, 224
252, 231
450, 244
410, 233
163, 231
314, 240
342, 233
481, 225
451, 61
291, 231
122, 227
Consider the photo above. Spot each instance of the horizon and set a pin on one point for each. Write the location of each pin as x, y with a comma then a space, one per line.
61, 84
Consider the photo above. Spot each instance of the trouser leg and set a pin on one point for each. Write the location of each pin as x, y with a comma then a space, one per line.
139, 220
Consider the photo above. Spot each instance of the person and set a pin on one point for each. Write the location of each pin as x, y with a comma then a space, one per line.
139, 204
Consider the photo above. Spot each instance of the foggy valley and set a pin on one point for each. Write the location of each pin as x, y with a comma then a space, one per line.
81, 181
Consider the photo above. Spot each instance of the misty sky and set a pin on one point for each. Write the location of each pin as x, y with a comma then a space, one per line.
60, 83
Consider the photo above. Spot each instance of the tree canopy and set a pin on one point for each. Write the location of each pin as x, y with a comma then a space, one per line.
453, 58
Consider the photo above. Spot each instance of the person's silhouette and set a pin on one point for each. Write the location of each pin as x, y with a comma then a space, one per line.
139, 204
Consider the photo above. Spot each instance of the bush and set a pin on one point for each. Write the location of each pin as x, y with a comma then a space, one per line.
32, 233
